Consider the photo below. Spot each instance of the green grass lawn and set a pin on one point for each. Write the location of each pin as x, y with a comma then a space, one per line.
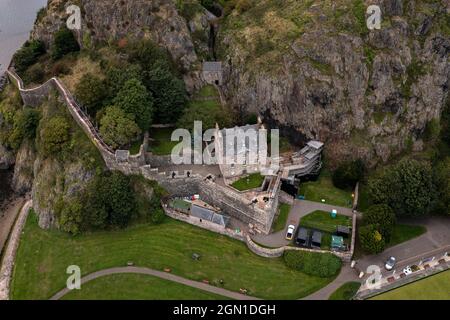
162, 144
346, 292
322, 220
135, 147
436, 287
280, 222
137, 287
252, 181
208, 91
323, 188
404, 232
43, 257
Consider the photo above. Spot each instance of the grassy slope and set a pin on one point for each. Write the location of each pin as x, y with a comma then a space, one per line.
137, 287
346, 291
280, 223
162, 144
433, 288
43, 257
323, 188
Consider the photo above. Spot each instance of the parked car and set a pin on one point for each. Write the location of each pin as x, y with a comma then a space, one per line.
407, 270
302, 238
390, 263
290, 232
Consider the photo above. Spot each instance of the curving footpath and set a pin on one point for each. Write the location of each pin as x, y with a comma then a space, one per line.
7, 266
161, 275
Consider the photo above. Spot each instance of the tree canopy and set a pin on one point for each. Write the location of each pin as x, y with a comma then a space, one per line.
406, 187
118, 128
383, 216
91, 92
64, 42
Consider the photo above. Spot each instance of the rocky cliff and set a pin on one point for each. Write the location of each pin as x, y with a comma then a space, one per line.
109, 21
315, 70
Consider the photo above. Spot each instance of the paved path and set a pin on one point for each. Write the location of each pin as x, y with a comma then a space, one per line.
300, 209
347, 274
434, 242
7, 266
158, 274
7, 218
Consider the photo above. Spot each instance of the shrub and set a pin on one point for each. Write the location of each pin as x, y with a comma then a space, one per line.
315, 264
383, 216
348, 174
371, 239
91, 92
28, 55
54, 135
34, 74
26, 122
64, 43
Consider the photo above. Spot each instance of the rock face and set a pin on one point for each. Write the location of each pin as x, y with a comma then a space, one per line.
22, 181
366, 94
112, 20
7, 158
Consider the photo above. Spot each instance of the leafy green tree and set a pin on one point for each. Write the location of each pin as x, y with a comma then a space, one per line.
384, 217
117, 77
168, 91
348, 174
64, 43
118, 128
34, 74
371, 239
71, 217
54, 135
91, 92
120, 199
406, 187
26, 122
28, 55
95, 198
441, 174
135, 100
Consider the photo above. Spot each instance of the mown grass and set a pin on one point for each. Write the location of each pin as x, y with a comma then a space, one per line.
252, 181
404, 232
161, 143
322, 220
138, 287
432, 288
280, 222
324, 189
43, 257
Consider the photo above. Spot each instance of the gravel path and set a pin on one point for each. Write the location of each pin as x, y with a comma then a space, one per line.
7, 217
158, 274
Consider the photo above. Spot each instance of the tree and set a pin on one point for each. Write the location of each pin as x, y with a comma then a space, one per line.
121, 200
406, 188
348, 174
64, 43
382, 216
168, 91
71, 217
371, 239
116, 78
28, 55
441, 178
54, 135
118, 128
91, 92
26, 122
135, 100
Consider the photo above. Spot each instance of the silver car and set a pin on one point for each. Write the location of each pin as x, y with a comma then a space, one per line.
390, 263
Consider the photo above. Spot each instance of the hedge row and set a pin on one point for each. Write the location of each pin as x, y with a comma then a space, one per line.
315, 264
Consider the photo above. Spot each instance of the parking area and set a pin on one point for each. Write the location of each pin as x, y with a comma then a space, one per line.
299, 210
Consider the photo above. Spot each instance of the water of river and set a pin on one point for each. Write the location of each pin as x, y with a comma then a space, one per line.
16, 21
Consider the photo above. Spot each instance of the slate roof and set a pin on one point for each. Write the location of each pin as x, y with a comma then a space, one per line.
212, 66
